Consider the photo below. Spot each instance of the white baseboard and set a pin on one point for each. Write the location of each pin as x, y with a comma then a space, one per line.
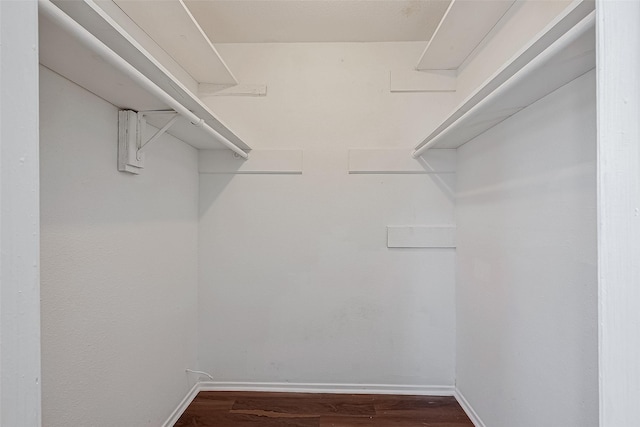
329, 388
471, 413
428, 390
182, 406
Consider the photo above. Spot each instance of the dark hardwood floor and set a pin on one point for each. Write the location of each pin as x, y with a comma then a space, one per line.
237, 409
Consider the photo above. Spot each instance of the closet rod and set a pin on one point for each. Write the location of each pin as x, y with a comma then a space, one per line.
89, 40
561, 43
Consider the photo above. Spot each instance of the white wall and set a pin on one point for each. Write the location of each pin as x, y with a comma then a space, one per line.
296, 281
119, 268
327, 95
526, 265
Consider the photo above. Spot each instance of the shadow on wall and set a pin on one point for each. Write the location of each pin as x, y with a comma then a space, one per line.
444, 181
216, 185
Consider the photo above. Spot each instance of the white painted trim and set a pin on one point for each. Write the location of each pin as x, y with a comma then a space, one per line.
241, 89
468, 409
20, 390
618, 189
182, 406
401, 389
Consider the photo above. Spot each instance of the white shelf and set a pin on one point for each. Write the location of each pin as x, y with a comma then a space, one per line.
563, 51
64, 54
172, 26
461, 29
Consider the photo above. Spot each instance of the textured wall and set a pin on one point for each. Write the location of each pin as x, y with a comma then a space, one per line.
328, 95
296, 281
526, 265
119, 267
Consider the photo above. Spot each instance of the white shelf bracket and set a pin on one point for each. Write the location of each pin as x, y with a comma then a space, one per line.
131, 148
144, 146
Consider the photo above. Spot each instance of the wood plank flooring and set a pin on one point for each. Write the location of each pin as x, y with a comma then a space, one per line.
241, 409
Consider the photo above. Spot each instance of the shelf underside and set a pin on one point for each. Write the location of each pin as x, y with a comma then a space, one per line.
550, 61
66, 55
563, 68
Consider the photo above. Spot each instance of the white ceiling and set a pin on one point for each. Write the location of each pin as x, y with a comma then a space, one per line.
282, 21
